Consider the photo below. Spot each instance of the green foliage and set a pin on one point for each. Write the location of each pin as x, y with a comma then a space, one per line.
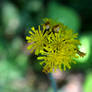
88, 83
64, 14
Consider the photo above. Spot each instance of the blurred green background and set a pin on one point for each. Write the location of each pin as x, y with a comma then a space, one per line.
20, 71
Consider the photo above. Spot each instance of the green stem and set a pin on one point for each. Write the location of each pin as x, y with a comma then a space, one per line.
53, 82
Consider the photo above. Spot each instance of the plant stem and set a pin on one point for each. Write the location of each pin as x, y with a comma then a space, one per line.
53, 82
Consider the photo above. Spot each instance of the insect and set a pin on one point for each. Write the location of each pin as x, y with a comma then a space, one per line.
56, 28
50, 28
81, 54
47, 25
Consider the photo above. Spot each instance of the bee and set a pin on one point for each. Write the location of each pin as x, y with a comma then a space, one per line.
46, 26
56, 28
81, 54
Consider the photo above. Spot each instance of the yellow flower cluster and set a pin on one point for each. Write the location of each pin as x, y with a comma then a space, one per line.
57, 44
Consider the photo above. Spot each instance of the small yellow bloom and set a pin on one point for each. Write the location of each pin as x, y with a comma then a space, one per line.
60, 53
37, 40
57, 44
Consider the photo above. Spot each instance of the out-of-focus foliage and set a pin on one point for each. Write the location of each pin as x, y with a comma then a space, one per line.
88, 82
10, 18
65, 15
20, 71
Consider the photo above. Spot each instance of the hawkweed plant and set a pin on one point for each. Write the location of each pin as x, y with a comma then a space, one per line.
57, 44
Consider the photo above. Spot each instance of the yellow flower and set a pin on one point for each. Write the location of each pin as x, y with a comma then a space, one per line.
55, 60
37, 40
57, 44
60, 52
